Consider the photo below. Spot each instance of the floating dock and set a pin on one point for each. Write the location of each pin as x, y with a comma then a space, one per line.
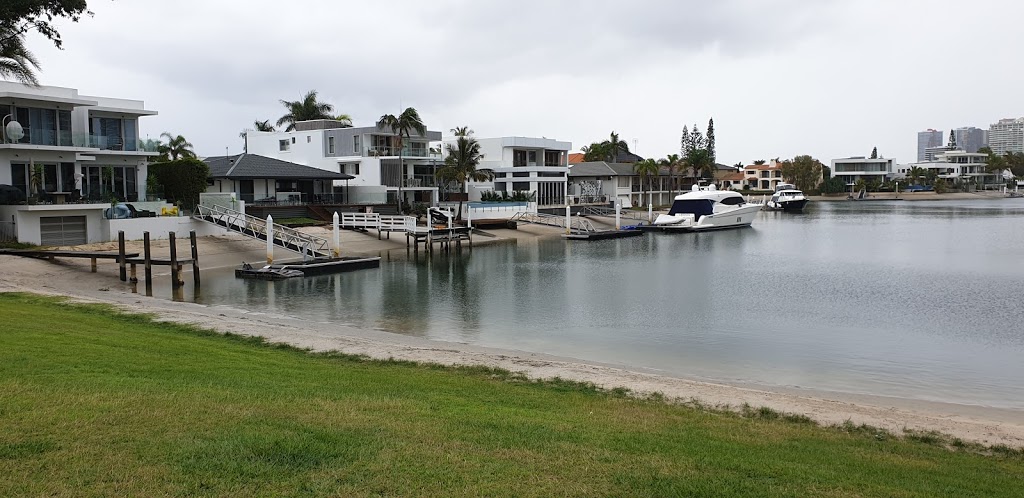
603, 235
326, 266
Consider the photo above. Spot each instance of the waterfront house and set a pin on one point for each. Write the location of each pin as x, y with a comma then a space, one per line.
602, 183
852, 169
70, 154
957, 165
367, 154
763, 176
256, 179
525, 164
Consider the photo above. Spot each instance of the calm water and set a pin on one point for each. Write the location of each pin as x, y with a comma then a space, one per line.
914, 299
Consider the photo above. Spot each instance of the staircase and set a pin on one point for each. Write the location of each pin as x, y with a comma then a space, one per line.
577, 225
251, 226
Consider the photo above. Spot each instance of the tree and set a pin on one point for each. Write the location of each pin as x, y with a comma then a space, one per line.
175, 148
803, 171
16, 61
306, 109
874, 153
684, 141
941, 187
461, 163
345, 119
615, 147
711, 141
696, 153
262, 125
760, 162
671, 163
22, 16
182, 180
915, 174
646, 169
930, 176
402, 126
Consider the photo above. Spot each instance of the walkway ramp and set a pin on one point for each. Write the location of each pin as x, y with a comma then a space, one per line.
610, 213
577, 224
251, 226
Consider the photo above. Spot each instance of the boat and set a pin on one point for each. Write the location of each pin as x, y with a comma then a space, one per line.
705, 208
787, 198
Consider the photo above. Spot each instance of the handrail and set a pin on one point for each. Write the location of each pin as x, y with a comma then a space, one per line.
251, 226
577, 224
610, 212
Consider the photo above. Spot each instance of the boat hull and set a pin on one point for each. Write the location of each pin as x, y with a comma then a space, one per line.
736, 218
790, 206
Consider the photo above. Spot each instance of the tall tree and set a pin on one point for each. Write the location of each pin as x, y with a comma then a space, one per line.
461, 163
647, 169
306, 109
684, 142
175, 148
402, 126
696, 153
16, 61
760, 162
615, 147
711, 141
671, 163
874, 153
803, 171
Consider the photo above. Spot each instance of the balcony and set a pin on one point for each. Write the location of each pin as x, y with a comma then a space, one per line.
118, 144
387, 151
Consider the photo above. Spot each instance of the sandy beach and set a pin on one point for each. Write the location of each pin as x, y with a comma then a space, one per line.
72, 278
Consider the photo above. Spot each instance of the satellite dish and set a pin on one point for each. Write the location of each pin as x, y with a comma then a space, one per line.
14, 131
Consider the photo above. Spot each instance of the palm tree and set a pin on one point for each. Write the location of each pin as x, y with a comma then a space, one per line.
759, 162
16, 61
309, 108
175, 148
262, 125
671, 163
461, 163
646, 169
345, 119
615, 147
699, 161
915, 174
402, 126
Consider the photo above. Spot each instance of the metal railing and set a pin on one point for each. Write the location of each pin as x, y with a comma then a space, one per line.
251, 226
627, 214
388, 151
576, 223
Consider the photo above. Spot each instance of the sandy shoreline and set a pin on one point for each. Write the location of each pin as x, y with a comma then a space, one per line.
917, 196
971, 423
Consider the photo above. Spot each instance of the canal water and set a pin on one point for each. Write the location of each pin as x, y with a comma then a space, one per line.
922, 300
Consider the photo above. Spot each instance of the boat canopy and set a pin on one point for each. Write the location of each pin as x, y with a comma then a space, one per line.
696, 207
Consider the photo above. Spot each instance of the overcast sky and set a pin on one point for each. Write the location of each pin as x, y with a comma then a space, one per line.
828, 78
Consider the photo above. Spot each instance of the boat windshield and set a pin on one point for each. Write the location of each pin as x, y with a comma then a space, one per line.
696, 207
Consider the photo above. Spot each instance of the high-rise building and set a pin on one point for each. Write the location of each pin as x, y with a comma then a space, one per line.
969, 139
1006, 136
927, 139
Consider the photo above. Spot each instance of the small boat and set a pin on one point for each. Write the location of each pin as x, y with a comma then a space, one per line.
787, 198
705, 208
266, 272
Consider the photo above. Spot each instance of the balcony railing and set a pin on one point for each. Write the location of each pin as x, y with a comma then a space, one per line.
118, 144
54, 138
387, 151
293, 199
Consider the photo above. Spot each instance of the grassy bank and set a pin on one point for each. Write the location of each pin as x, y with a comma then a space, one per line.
96, 402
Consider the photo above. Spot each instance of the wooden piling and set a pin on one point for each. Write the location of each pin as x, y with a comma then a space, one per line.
174, 261
195, 257
93, 265
120, 256
133, 278
147, 258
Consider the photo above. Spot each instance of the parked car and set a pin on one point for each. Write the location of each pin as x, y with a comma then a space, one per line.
10, 194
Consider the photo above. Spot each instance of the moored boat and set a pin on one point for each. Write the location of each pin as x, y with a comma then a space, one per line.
705, 208
787, 198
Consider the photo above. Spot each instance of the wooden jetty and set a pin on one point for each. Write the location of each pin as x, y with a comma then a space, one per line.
444, 237
149, 262
51, 255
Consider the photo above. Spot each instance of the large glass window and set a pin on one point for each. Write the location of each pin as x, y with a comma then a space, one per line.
119, 180
19, 177
106, 133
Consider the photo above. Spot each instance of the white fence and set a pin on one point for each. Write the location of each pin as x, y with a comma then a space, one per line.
376, 221
490, 210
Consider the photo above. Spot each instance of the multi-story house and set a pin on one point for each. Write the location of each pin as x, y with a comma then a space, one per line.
1006, 136
958, 165
368, 154
64, 150
538, 165
852, 169
763, 176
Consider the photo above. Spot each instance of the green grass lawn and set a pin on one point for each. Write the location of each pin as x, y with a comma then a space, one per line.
93, 402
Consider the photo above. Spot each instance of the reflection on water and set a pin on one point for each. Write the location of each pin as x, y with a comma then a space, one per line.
915, 299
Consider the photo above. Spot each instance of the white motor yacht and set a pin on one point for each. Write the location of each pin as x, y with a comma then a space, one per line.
705, 208
787, 198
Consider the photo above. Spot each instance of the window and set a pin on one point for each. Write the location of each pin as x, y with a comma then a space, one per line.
532, 161
330, 145
520, 186
518, 158
283, 145
350, 169
293, 139
521, 175
355, 145
309, 139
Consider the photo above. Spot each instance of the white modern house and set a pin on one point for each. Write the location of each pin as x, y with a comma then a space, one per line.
539, 165
851, 169
70, 154
958, 165
367, 154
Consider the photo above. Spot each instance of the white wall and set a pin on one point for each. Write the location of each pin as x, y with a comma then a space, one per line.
26, 219
158, 228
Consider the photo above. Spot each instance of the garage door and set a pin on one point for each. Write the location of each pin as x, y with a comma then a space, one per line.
62, 230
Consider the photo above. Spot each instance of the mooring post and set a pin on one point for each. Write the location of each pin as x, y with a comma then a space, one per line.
336, 231
270, 239
195, 257
93, 265
618, 213
120, 255
568, 219
147, 258
174, 260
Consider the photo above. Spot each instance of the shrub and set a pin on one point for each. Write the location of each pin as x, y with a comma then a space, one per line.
182, 180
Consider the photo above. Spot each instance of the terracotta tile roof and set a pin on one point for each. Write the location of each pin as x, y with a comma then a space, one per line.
734, 177
576, 158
